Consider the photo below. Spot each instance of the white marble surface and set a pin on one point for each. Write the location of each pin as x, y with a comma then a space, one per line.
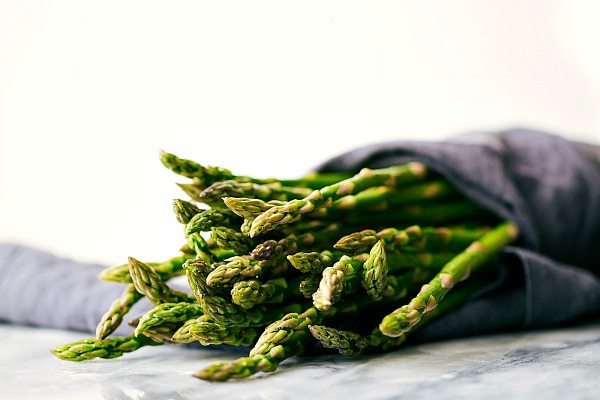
562, 363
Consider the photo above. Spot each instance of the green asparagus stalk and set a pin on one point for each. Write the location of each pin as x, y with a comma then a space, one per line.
166, 270
194, 190
191, 169
292, 243
248, 366
309, 285
379, 198
160, 333
359, 242
413, 238
441, 238
375, 271
206, 176
214, 217
183, 334
148, 283
245, 227
211, 333
214, 194
345, 342
205, 252
114, 316
224, 312
383, 198
249, 208
88, 349
196, 272
291, 328
294, 209
167, 313
313, 262
250, 293
245, 267
185, 210
459, 268
317, 180
332, 283
229, 239
427, 213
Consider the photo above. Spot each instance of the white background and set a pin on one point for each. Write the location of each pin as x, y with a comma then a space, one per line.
90, 90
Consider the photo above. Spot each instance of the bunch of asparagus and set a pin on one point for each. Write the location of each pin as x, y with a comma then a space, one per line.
327, 262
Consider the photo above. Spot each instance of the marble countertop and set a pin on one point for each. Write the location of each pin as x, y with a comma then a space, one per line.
553, 364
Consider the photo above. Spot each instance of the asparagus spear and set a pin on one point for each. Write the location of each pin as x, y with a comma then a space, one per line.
214, 194
242, 267
383, 198
403, 319
166, 270
161, 333
194, 190
185, 210
204, 251
226, 238
249, 208
208, 175
437, 238
88, 349
248, 366
245, 227
226, 313
294, 242
309, 285
379, 198
196, 272
291, 328
359, 242
413, 238
313, 262
167, 313
183, 334
293, 210
191, 169
332, 282
427, 213
343, 276
250, 293
207, 219
148, 283
345, 342
211, 333
375, 272
316, 180
114, 316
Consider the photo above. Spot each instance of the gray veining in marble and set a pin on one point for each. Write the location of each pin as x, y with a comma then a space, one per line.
555, 364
